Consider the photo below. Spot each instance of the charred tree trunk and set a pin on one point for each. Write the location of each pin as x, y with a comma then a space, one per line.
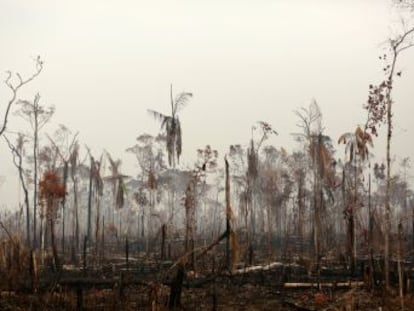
301, 212
370, 234
97, 226
103, 239
42, 234
317, 189
400, 265
127, 253
84, 254
228, 215
75, 219
65, 181
26, 202
163, 238
350, 240
176, 288
53, 241
90, 194
18, 163
387, 195
35, 153
412, 224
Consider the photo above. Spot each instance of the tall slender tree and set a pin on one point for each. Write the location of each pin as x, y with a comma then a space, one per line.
118, 188
379, 107
18, 153
64, 143
37, 116
52, 191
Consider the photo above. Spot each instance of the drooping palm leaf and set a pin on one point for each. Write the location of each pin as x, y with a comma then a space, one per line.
73, 158
181, 101
356, 143
120, 194
159, 117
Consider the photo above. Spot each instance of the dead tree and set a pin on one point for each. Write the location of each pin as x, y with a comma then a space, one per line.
51, 192
17, 151
228, 215
64, 152
37, 116
15, 87
379, 107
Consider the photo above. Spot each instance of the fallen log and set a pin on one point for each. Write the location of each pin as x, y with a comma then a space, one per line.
258, 268
346, 284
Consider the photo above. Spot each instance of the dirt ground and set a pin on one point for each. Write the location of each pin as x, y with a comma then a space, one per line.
211, 297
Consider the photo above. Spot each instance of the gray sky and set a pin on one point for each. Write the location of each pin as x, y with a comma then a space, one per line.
107, 61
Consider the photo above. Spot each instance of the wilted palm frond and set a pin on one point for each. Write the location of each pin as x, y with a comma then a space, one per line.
120, 194
363, 140
96, 174
117, 180
356, 143
74, 156
162, 118
252, 162
181, 101
113, 165
145, 138
322, 157
348, 139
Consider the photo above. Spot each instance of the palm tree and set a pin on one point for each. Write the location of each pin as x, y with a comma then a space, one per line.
52, 191
356, 145
118, 189
172, 125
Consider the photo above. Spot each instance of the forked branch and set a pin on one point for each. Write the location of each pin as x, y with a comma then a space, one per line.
14, 87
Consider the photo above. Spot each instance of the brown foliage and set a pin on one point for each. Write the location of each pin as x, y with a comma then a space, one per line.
51, 191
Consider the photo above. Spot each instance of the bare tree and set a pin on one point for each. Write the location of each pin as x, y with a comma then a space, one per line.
64, 151
15, 87
18, 153
264, 130
317, 147
37, 116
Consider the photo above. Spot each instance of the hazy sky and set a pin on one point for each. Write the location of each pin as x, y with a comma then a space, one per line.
108, 61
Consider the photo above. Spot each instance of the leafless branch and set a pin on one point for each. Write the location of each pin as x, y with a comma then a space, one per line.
15, 88
7, 232
64, 159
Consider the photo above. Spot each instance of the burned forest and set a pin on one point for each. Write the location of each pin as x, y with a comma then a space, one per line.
178, 218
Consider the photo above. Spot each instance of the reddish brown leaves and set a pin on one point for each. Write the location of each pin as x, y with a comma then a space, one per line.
51, 186
377, 105
52, 191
